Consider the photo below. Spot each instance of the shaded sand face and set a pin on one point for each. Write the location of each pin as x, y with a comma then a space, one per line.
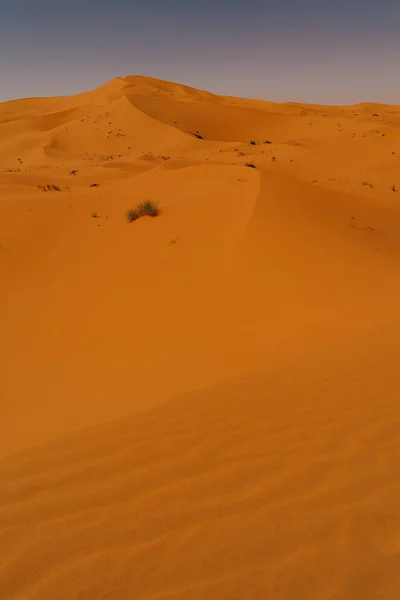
203, 404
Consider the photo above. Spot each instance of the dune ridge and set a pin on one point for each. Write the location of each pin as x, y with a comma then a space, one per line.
203, 404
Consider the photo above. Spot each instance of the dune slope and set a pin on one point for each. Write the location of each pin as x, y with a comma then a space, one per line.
202, 404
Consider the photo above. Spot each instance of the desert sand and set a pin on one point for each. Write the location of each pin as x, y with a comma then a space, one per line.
206, 404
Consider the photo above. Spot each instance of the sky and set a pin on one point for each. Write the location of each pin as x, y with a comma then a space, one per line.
328, 52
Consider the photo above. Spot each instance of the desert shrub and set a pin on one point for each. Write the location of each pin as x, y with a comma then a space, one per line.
49, 186
147, 208
132, 215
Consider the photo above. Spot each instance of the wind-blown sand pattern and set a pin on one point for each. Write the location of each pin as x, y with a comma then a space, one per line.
205, 404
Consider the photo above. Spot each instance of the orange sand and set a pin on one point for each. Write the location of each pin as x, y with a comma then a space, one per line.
204, 405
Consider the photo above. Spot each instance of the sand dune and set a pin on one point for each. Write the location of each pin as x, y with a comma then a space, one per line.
204, 404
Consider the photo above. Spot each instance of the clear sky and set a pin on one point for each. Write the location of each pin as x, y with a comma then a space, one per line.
325, 51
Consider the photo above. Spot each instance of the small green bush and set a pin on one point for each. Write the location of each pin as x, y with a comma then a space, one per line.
147, 208
48, 187
132, 215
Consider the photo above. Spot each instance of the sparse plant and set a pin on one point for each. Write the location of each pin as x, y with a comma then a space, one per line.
73, 172
198, 135
147, 208
49, 187
394, 188
94, 185
273, 158
250, 165
132, 215
252, 143
367, 184
95, 215
267, 142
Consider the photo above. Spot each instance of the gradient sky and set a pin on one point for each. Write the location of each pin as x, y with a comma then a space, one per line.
326, 51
